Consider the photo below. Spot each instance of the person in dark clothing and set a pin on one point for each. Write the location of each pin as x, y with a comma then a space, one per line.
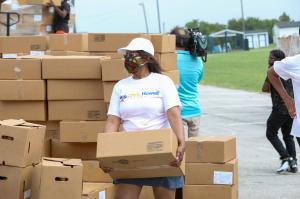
61, 17
280, 118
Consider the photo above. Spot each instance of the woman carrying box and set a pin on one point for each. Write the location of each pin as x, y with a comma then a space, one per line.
147, 100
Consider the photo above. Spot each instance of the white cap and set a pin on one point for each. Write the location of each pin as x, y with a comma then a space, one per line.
138, 44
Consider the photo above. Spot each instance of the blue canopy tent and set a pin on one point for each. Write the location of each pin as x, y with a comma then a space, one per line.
226, 33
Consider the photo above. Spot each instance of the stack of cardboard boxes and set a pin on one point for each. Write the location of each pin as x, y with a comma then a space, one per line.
21, 145
211, 168
35, 17
23, 92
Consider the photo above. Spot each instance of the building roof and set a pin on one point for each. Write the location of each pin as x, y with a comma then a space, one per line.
288, 24
255, 31
227, 32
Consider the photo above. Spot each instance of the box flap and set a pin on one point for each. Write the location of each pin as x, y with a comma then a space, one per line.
64, 161
12, 122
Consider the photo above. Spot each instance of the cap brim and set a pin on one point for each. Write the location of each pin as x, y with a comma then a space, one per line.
122, 51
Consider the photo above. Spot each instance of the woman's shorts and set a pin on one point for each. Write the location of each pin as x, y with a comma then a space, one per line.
167, 182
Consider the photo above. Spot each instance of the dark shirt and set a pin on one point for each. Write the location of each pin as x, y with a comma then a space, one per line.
278, 103
60, 23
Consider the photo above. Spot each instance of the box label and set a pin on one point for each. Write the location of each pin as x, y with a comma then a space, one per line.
49, 28
9, 56
102, 195
223, 177
35, 47
27, 194
93, 114
99, 38
37, 18
51, 10
15, 7
37, 53
155, 146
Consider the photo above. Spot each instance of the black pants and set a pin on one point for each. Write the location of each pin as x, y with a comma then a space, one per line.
276, 121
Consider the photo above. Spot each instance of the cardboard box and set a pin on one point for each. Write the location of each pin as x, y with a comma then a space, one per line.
211, 174
210, 149
77, 110
37, 19
60, 178
74, 89
174, 75
68, 42
108, 89
164, 43
149, 155
67, 53
113, 70
110, 42
168, 61
47, 148
84, 151
21, 143
72, 67
98, 191
27, 110
25, 69
22, 90
112, 55
82, 131
39, 2
52, 130
15, 182
210, 191
22, 44
93, 173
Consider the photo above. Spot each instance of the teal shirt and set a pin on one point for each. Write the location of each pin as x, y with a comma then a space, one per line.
191, 73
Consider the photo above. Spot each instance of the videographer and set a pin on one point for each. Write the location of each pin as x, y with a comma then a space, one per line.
191, 73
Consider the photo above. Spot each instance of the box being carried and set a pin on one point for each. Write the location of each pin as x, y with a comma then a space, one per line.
39, 2
140, 154
21, 143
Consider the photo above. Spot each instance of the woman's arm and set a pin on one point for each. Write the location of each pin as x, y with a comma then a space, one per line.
175, 121
112, 124
61, 13
266, 86
288, 100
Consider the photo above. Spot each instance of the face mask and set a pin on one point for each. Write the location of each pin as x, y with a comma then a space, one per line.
131, 63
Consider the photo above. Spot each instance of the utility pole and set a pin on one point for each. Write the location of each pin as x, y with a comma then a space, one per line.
158, 16
243, 18
145, 16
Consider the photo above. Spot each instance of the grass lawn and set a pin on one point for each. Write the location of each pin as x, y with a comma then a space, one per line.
244, 70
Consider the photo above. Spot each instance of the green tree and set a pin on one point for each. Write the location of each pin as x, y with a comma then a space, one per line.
284, 18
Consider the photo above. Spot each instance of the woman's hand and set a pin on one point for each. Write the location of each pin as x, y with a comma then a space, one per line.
290, 104
179, 155
106, 169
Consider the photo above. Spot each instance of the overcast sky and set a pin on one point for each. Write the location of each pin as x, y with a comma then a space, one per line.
127, 15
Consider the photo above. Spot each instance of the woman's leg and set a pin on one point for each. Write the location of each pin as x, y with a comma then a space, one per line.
127, 191
163, 193
288, 138
274, 123
194, 126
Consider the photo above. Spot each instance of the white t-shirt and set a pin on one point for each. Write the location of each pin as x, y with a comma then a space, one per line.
289, 68
142, 104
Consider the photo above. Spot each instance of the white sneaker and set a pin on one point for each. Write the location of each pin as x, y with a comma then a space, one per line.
284, 168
